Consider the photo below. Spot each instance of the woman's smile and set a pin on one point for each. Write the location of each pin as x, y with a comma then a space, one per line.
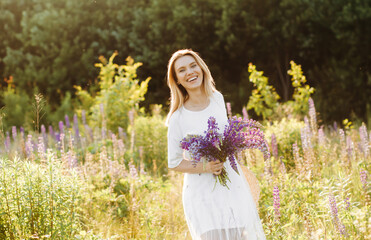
188, 72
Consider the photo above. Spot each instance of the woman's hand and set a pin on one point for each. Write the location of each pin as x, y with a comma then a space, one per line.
214, 167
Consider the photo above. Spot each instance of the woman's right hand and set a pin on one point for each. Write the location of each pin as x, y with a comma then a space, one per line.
214, 167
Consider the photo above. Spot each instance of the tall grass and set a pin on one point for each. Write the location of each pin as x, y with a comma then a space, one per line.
95, 184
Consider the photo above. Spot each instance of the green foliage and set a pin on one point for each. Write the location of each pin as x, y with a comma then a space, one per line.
229, 34
18, 109
38, 200
151, 141
287, 132
302, 91
119, 92
264, 98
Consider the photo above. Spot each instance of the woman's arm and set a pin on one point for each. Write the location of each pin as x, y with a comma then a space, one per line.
187, 166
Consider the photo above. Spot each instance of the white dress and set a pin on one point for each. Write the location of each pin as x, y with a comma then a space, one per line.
212, 213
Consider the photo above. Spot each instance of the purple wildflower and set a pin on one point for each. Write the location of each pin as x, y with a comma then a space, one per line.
67, 119
76, 126
349, 147
83, 117
14, 132
21, 130
51, 132
335, 217
229, 109
363, 175
276, 203
61, 127
321, 136
274, 146
347, 203
121, 132
312, 115
7, 142
238, 135
245, 114
364, 139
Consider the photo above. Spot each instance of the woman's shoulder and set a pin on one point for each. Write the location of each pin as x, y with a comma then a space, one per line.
218, 95
174, 117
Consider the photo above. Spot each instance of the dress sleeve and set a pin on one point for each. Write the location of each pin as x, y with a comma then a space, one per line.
174, 136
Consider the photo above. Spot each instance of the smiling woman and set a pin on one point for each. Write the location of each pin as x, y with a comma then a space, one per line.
212, 211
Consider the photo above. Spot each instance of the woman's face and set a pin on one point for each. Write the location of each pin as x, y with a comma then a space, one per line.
188, 72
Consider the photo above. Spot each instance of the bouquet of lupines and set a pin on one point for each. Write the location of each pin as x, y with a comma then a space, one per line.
239, 134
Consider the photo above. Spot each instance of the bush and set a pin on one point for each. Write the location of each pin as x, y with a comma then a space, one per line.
119, 92
38, 200
287, 132
150, 135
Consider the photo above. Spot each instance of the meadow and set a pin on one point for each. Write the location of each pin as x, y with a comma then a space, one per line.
91, 178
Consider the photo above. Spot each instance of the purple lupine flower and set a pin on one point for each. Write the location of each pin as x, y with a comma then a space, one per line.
131, 116
101, 108
245, 114
341, 135
321, 136
61, 127
21, 130
41, 148
307, 126
67, 119
83, 117
276, 203
51, 132
347, 203
335, 216
349, 147
121, 132
237, 136
335, 126
14, 133
76, 126
312, 115
7, 142
229, 109
364, 140
45, 137
363, 175
133, 170
274, 146
29, 147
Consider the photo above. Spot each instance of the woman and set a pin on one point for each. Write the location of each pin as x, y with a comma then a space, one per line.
213, 212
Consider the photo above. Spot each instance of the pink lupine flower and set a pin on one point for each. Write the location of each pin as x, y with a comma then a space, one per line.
276, 203
274, 146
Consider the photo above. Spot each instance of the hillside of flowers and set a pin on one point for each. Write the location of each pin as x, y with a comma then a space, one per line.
101, 172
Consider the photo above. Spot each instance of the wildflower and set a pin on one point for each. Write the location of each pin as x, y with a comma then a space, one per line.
363, 174
83, 117
364, 140
68, 125
61, 127
335, 217
76, 126
276, 203
41, 148
274, 146
349, 147
229, 109
121, 132
347, 203
312, 115
216, 146
7, 142
244, 113
321, 136
51, 131
14, 132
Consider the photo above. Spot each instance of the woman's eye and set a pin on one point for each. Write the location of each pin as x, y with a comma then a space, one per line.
193, 66
182, 70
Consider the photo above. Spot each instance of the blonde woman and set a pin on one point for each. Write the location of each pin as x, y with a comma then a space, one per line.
212, 213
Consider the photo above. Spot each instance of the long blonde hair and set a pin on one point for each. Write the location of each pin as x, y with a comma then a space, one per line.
178, 94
